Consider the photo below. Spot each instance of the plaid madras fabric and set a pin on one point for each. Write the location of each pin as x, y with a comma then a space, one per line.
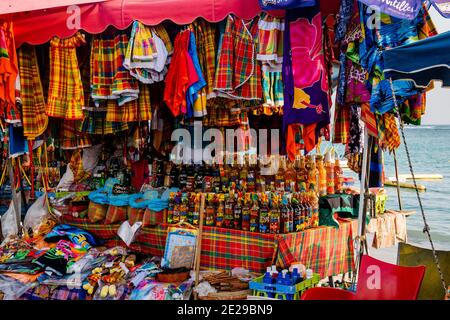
205, 35
270, 38
95, 123
48, 292
238, 74
34, 118
341, 126
326, 250
391, 136
162, 33
71, 138
8, 74
136, 110
109, 78
369, 119
65, 93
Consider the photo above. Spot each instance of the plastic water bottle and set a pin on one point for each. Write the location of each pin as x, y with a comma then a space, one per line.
295, 276
267, 276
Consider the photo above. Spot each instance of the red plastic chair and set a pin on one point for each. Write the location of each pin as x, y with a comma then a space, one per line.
378, 280
325, 293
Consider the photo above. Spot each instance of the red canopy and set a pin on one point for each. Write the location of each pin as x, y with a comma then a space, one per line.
37, 27
14, 6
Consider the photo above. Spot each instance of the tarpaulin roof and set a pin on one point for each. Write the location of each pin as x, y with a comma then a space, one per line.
14, 6
421, 61
37, 27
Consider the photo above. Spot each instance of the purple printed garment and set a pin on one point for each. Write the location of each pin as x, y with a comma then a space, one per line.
306, 89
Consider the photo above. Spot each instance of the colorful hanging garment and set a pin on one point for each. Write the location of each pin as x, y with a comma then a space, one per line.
65, 93
109, 78
270, 53
306, 89
205, 35
34, 118
196, 96
392, 32
71, 137
238, 74
388, 132
8, 74
136, 110
341, 128
181, 75
147, 55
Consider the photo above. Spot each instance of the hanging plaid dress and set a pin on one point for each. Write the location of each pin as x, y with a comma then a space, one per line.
238, 73
34, 118
8, 74
109, 78
65, 93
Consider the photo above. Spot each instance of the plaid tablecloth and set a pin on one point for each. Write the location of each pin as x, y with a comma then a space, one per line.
327, 250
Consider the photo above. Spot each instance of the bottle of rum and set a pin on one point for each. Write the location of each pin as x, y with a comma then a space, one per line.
264, 219
274, 214
254, 214
210, 210
237, 211
301, 174
322, 173
220, 211
229, 213
338, 177
170, 208
329, 166
246, 207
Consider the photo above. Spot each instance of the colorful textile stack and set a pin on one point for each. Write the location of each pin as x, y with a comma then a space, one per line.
8, 74
110, 80
34, 118
148, 54
270, 53
65, 93
238, 74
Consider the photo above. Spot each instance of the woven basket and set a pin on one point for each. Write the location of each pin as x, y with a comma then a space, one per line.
228, 295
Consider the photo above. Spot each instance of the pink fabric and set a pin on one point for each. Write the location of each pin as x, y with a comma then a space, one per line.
37, 27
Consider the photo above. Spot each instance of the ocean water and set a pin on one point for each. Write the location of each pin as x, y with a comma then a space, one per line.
429, 147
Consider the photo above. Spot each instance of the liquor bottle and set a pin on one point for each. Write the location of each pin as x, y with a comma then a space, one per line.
191, 206
290, 214
338, 177
176, 208
195, 199
301, 174
167, 171
237, 211
314, 201
190, 180
174, 175
220, 210
279, 176
251, 178
224, 177
210, 210
254, 214
284, 212
274, 215
208, 179
290, 177
198, 177
246, 207
329, 166
182, 177
170, 208
216, 178
184, 208
229, 214
297, 219
264, 219
322, 181
312, 172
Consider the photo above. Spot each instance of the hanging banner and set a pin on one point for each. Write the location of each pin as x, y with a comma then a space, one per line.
443, 6
403, 9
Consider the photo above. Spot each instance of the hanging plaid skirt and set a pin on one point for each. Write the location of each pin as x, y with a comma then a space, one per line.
34, 118
72, 138
65, 93
136, 110
95, 123
109, 78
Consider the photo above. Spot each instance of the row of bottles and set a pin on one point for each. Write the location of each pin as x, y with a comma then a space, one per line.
304, 174
267, 212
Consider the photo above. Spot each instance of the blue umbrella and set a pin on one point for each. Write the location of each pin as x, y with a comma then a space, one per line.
420, 62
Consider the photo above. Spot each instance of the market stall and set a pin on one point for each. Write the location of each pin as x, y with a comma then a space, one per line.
135, 136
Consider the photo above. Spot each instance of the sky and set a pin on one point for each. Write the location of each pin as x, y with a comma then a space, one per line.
438, 99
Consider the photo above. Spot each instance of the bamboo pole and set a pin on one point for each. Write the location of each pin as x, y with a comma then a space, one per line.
397, 182
198, 247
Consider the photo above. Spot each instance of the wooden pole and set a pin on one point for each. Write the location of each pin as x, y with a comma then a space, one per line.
198, 247
396, 181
